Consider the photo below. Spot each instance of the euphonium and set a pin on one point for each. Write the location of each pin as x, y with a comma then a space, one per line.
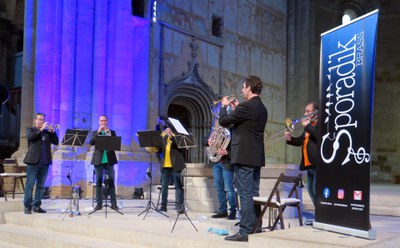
220, 136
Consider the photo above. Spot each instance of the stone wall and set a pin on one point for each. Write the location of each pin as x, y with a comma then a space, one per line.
253, 40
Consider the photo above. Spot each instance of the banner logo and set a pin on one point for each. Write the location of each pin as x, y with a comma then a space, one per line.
327, 193
340, 194
357, 195
339, 94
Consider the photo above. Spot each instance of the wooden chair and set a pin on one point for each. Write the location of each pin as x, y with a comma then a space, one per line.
275, 201
20, 174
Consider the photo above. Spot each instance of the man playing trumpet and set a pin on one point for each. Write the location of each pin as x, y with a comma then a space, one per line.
38, 158
247, 150
308, 141
104, 162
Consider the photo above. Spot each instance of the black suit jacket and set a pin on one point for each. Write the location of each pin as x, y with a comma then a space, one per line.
34, 137
98, 154
178, 163
312, 146
248, 119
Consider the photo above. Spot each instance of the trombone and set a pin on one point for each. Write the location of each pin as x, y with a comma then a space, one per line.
291, 126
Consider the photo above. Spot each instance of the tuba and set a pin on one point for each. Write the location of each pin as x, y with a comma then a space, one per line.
220, 136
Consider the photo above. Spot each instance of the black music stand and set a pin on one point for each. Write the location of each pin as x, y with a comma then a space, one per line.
108, 143
184, 140
150, 139
73, 138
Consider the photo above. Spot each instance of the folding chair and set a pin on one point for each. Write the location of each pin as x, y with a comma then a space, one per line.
19, 174
275, 201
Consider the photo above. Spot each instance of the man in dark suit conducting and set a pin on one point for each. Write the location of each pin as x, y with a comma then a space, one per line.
247, 149
38, 158
104, 161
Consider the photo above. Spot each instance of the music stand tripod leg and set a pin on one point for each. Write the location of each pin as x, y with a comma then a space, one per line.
180, 211
69, 207
183, 206
150, 204
106, 183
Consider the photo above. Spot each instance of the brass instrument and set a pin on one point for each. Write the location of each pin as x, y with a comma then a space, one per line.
152, 150
163, 133
291, 126
55, 126
50, 126
220, 136
230, 98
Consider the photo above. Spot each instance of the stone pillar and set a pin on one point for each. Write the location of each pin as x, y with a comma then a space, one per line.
28, 70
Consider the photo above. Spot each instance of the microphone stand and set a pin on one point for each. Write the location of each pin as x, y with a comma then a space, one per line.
69, 207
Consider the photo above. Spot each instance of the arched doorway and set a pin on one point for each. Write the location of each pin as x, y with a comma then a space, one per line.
188, 99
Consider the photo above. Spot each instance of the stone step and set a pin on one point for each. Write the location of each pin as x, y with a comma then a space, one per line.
127, 229
9, 245
26, 236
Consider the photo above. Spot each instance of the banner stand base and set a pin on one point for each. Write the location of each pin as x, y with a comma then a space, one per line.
370, 234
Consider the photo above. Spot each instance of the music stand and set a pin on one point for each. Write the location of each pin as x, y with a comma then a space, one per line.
73, 138
150, 138
184, 140
108, 143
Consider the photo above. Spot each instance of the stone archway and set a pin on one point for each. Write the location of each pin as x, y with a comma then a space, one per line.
188, 99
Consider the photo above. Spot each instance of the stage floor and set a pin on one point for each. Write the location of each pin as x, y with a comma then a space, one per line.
55, 229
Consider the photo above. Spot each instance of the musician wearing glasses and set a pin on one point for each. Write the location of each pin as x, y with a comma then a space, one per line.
104, 162
38, 158
308, 141
247, 150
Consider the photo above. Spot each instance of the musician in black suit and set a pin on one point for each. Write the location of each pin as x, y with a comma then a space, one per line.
38, 158
104, 161
247, 149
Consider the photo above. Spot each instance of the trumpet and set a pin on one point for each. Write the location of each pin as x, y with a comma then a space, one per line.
53, 127
231, 98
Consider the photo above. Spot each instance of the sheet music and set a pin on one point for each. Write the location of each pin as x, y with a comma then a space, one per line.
178, 126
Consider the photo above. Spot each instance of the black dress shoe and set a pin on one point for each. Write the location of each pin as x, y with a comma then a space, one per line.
39, 210
220, 215
232, 215
28, 211
114, 206
162, 209
98, 207
237, 237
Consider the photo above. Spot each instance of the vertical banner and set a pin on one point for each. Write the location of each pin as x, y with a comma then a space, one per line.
347, 69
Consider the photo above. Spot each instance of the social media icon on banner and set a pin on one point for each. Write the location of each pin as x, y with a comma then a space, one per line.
357, 195
326, 193
340, 194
